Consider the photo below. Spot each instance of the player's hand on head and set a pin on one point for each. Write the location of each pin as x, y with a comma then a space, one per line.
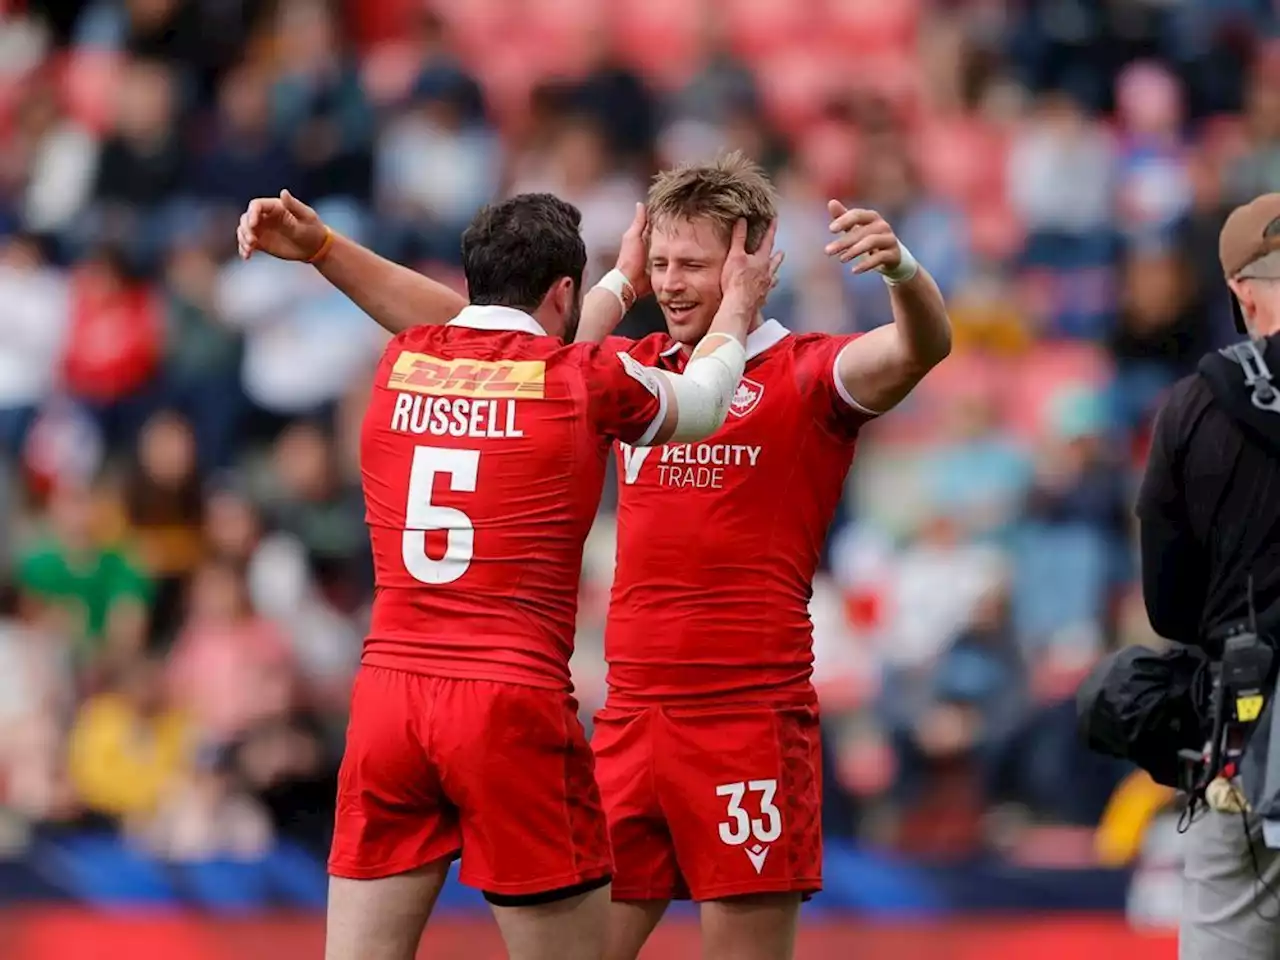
633, 253
865, 238
282, 226
751, 275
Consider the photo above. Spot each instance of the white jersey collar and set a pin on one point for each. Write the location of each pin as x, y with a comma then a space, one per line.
497, 318
768, 334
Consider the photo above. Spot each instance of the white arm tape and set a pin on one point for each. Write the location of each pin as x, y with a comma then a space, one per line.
904, 271
705, 389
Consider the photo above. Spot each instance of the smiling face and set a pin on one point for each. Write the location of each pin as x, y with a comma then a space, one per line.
685, 260
692, 210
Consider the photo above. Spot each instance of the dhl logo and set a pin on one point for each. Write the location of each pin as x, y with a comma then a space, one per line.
421, 373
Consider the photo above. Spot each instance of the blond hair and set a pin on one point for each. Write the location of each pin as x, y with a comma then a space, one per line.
730, 188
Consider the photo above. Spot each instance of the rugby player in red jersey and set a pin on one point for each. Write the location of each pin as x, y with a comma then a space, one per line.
707, 749
483, 452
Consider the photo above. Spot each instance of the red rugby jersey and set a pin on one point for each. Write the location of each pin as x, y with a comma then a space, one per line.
483, 452
719, 540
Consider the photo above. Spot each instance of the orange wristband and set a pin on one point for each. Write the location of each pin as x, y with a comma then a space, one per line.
324, 247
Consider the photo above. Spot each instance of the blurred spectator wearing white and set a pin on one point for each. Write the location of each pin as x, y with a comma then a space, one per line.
33, 323
305, 343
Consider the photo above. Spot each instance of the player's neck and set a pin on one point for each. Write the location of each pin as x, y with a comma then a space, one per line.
687, 348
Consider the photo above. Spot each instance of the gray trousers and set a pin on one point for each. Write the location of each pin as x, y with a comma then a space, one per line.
1221, 895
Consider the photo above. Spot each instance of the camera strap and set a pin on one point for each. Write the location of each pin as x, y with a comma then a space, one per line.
1244, 386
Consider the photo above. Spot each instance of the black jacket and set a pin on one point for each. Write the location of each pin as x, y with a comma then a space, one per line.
1209, 506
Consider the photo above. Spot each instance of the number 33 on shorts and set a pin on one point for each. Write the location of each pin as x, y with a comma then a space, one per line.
741, 826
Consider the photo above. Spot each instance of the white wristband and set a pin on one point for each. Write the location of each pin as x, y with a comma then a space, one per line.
616, 282
907, 268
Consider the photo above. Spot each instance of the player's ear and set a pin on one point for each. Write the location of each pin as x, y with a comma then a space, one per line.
562, 295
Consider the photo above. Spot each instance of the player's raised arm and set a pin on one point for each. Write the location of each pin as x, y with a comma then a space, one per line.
395, 296
693, 404
879, 370
608, 301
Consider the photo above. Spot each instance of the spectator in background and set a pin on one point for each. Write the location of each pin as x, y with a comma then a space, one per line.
1160, 333
978, 474
436, 165
129, 747
305, 343
620, 103
61, 160
1258, 170
202, 355
163, 504
232, 526
1154, 191
324, 511
245, 158
36, 695
206, 816
935, 232
945, 722
325, 643
142, 162
1077, 481
1070, 233
579, 167
96, 595
232, 670
723, 85
318, 105
114, 344
1076, 525
33, 323
424, 54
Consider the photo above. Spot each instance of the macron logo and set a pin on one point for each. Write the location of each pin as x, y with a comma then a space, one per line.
757, 855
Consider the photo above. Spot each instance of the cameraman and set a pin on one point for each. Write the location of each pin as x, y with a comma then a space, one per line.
1209, 513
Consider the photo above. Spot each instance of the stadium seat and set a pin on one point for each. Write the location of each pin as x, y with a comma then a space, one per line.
388, 71
759, 27
873, 25
1033, 382
960, 158
88, 81
508, 79
659, 37
795, 82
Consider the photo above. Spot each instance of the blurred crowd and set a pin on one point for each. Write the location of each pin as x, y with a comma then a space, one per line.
184, 570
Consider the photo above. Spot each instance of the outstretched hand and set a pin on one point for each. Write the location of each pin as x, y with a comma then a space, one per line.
751, 275
283, 226
865, 237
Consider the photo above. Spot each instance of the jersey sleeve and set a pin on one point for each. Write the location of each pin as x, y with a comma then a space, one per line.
833, 406
625, 397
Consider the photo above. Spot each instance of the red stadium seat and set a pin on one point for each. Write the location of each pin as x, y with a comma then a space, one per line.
797, 81
508, 79
389, 70
1031, 383
659, 37
995, 232
872, 25
476, 27
89, 79
759, 27
961, 158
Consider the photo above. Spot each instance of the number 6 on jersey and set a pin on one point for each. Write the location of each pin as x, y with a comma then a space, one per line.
422, 516
741, 826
